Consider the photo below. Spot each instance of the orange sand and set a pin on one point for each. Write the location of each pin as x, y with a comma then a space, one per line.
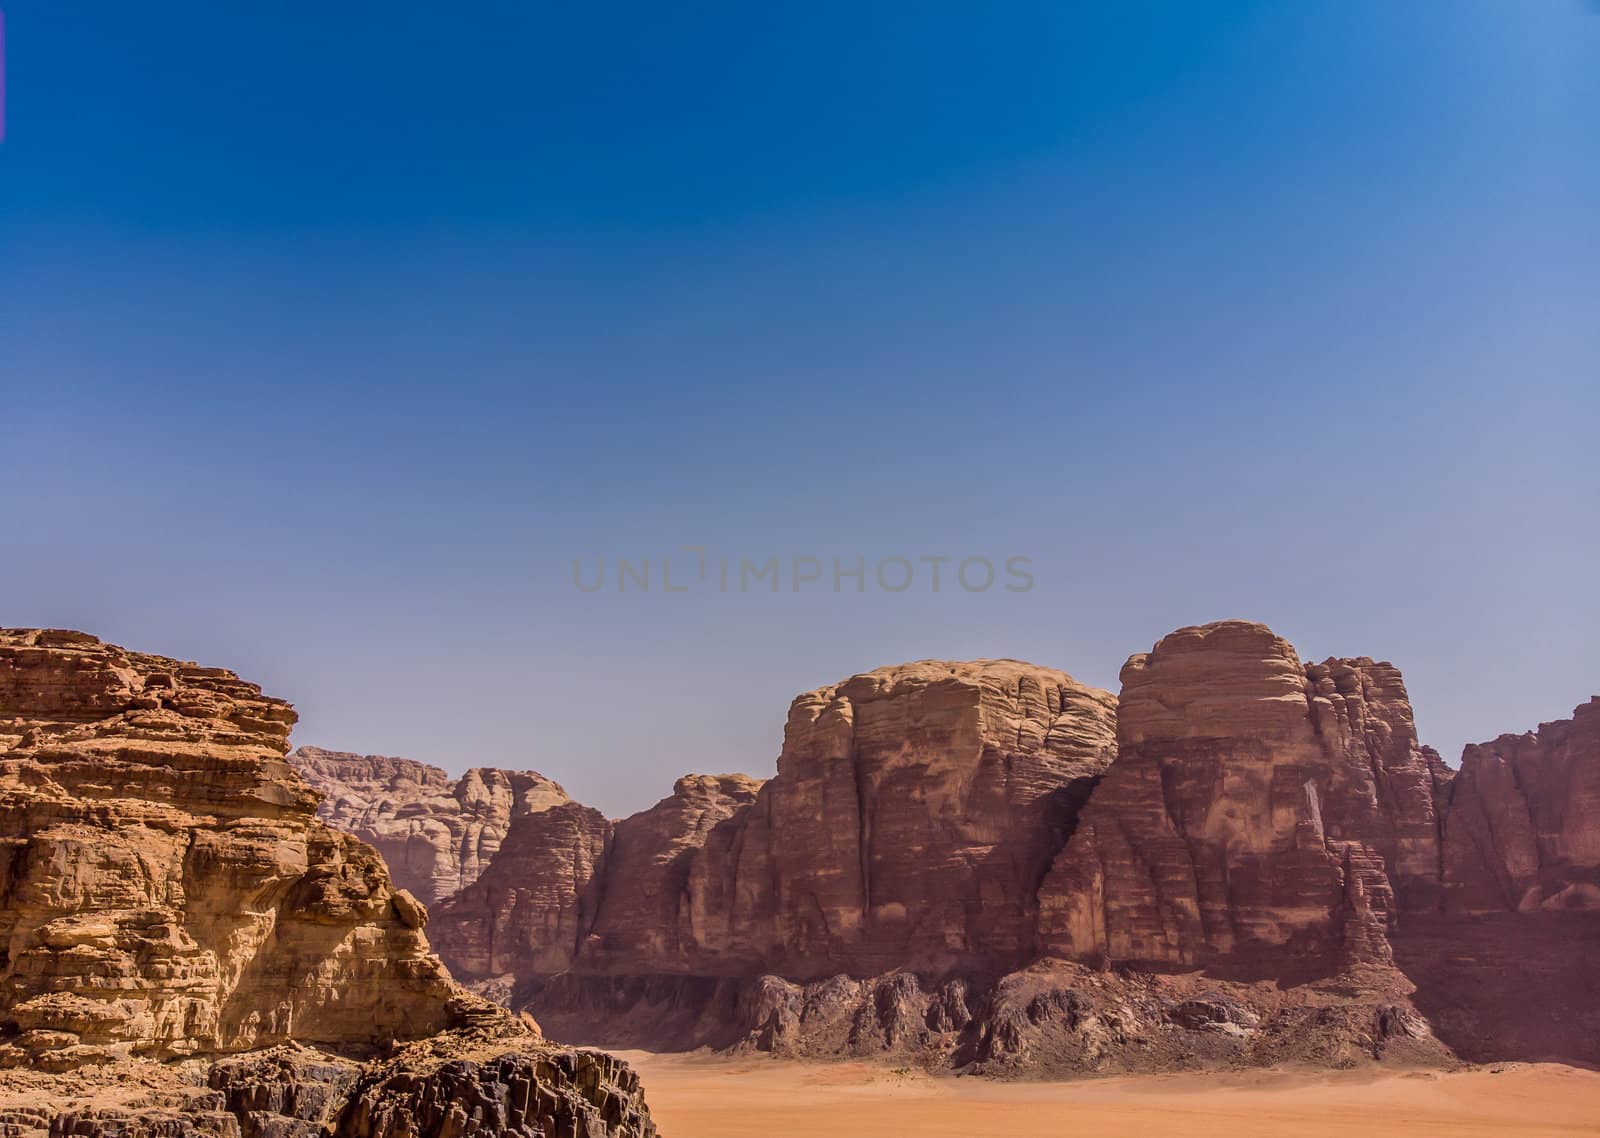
695, 1097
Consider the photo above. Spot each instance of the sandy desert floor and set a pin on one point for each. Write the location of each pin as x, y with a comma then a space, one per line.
695, 1097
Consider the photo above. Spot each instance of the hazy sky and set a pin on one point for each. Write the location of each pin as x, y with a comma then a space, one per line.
331, 335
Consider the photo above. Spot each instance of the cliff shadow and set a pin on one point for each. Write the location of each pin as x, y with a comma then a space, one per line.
1508, 986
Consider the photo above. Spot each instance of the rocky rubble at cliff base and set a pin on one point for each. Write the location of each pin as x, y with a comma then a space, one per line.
1053, 1018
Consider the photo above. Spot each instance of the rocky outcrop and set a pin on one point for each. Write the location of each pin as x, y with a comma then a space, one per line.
436, 833
1263, 816
167, 893
165, 888
1053, 1017
434, 1090
950, 867
461, 1082
531, 910
1523, 828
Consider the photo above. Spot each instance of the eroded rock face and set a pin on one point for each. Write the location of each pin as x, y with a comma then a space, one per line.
646, 916
1523, 829
165, 888
436, 833
1262, 814
531, 910
433, 1091
914, 810
1053, 1017
461, 1082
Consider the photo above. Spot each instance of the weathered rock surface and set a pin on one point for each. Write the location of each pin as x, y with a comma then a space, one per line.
165, 889
461, 1082
436, 833
1523, 829
914, 810
167, 893
1263, 816
531, 910
1051, 1018
440, 1090
647, 911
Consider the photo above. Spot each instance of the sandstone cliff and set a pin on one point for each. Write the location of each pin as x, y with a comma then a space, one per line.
1523, 828
1263, 816
914, 810
165, 888
436, 833
167, 893
650, 915
531, 910
1244, 859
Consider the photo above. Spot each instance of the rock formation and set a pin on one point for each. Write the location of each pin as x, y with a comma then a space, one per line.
987, 865
166, 888
436, 833
1523, 829
532, 908
1262, 815
167, 893
649, 916
948, 857
460, 1082
914, 810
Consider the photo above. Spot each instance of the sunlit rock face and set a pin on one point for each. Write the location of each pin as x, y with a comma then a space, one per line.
1262, 814
436, 833
1523, 829
165, 886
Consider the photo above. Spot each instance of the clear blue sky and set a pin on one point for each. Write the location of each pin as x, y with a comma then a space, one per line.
331, 334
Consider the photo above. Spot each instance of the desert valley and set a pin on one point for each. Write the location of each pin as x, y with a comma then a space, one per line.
1239, 891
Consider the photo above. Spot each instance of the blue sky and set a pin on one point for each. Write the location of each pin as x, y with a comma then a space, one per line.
330, 336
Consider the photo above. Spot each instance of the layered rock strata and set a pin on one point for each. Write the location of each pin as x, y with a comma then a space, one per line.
436, 833
1263, 816
949, 866
914, 810
532, 909
165, 887
1523, 829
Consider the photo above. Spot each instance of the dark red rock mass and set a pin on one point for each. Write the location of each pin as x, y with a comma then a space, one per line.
650, 917
913, 812
1523, 829
1262, 814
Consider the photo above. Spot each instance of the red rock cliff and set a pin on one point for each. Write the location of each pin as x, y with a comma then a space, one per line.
1261, 813
1523, 828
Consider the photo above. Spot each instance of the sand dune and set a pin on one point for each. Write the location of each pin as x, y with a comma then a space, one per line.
693, 1097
